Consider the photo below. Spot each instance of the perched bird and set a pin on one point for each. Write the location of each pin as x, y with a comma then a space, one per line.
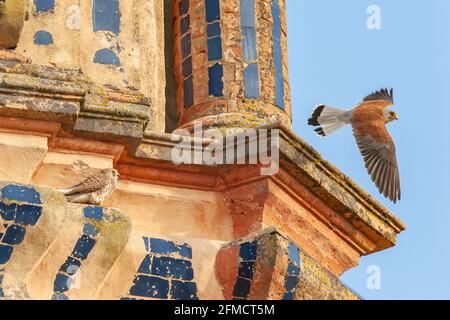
368, 119
95, 189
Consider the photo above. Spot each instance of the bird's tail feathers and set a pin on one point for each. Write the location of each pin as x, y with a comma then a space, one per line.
65, 191
328, 120
78, 198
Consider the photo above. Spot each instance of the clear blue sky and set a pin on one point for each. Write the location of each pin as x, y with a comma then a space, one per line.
335, 59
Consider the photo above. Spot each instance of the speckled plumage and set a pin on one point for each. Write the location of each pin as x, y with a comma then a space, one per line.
95, 189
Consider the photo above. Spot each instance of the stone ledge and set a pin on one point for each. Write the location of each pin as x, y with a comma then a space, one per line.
361, 218
67, 96
339, 192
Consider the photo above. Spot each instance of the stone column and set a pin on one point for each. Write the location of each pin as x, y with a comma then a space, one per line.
12, 18
231, 65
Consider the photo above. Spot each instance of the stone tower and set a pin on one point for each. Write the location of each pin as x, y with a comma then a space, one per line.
231, 62
107, 85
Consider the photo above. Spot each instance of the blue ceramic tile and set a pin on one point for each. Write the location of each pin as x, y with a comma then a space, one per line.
106, 16
62, 283
277, 54
145, 265
90, 230
71, 266
14, 235
106, 56
214, 30
43, 38
214, 49
186, 46
248, 30
83, 247
248, 13
44, 5
242, 288
183, 7
173, 268
288, 296
183, 290
251, 81
8, 211
150, 287
249, 44
246, 270
212, 10
185, 25
293, 270
60, 297
248, 251
5, 253
162, 246
294, 254
291, 283
215, 73
188, 89
186, 251
93, 213
28, 215
21, 193
146, 243
187, 67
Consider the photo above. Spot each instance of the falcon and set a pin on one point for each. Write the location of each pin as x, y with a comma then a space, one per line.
368, 120
95, 189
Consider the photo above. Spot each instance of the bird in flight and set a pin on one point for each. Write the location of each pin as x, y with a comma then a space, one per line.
95, 189
368, 120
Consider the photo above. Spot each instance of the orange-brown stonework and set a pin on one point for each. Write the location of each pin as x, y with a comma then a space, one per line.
170, 231
270, 267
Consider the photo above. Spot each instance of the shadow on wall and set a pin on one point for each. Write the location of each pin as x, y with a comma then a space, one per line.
171, 109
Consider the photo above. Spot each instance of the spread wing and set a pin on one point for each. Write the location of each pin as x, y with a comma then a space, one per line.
92, 183
378, 151
382, 95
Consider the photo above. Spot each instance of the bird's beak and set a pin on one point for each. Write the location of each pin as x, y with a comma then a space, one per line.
396, 116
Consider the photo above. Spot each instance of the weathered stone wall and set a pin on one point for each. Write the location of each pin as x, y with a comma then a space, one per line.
161, 209
115, 43
50, 249
268, 266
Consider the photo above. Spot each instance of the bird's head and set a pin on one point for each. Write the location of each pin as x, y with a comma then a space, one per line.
112, 172
390, 116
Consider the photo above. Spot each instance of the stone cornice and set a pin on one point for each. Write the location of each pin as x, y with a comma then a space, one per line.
67, 107
46, 93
